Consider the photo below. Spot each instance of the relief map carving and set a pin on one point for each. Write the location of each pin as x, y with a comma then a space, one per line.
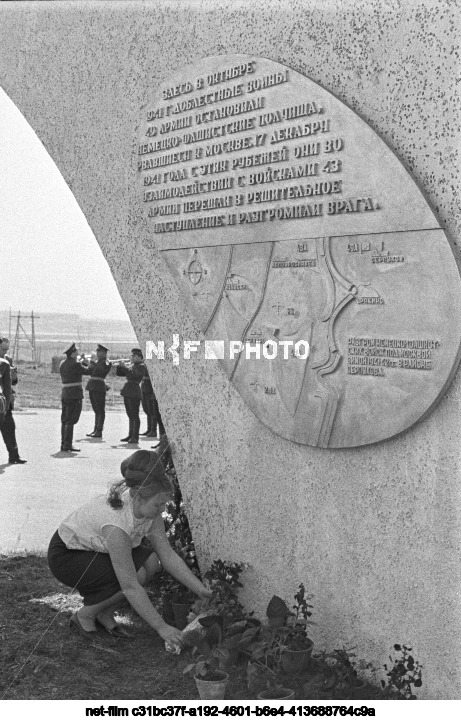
284, 217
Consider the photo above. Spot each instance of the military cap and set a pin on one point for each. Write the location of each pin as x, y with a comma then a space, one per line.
71, 349
101, 347
137, 351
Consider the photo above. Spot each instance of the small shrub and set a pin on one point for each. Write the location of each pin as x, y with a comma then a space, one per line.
404, 674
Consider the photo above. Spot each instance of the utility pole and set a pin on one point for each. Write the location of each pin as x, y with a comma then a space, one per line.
17, 335
34, 350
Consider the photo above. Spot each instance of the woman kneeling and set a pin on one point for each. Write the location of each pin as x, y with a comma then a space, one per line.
98, 551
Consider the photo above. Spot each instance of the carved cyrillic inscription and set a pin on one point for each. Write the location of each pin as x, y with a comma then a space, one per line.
286, 263
257, 118
367, 353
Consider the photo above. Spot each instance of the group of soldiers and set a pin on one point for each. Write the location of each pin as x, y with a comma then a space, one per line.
8, 379
137, 389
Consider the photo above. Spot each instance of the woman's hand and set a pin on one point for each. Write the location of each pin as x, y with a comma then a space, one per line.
171, 635
205, 594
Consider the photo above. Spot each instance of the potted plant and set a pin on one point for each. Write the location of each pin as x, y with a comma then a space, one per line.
276, 691
173, 592
257, 644
343, 675
176, 600
225, 615
181, 602
265, 667
290, 631
211, 659
210, 679
224, 581
280, 646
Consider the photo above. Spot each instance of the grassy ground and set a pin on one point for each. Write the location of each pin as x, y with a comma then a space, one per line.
41, 658
39, 388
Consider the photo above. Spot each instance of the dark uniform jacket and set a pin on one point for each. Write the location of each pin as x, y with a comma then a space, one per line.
14, 378
5, 381
71, 372
99, 370
146, 384
134, 376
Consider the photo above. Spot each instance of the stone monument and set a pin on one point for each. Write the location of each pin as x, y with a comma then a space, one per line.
284, 217
305, 191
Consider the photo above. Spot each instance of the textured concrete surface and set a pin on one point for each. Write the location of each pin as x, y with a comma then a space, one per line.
373, 532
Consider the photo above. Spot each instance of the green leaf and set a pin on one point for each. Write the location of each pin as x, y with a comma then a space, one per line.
192, 638
213, 635
233, 658
258, 647
232, 642
250, 634
203, 647
235, 628
208, 621
201, 668
277, 607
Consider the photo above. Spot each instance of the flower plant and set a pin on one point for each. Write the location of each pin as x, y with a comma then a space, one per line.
290, 629
404, 673
210, 657
225, 616
178, 532
343, 668
223, 581
263, 645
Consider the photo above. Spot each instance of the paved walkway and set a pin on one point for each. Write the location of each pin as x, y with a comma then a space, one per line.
36, 496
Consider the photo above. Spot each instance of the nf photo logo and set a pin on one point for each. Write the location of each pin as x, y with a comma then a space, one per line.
220, 349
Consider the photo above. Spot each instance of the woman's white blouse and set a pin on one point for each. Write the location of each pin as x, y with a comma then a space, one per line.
82, 529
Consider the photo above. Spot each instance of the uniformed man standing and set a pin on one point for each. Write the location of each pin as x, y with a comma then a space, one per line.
5, 388
71, 371
8, 427
97, 389
150, 407
131, 392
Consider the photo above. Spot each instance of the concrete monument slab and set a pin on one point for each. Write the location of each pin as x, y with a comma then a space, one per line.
374, 531
299, 238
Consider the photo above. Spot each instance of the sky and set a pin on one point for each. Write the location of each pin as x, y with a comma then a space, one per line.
40, 225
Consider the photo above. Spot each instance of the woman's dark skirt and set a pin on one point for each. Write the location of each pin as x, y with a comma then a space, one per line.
91, 574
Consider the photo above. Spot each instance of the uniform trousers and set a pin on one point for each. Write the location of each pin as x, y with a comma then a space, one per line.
98, 404
151, 409
8, 431
132, 411
71, 410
